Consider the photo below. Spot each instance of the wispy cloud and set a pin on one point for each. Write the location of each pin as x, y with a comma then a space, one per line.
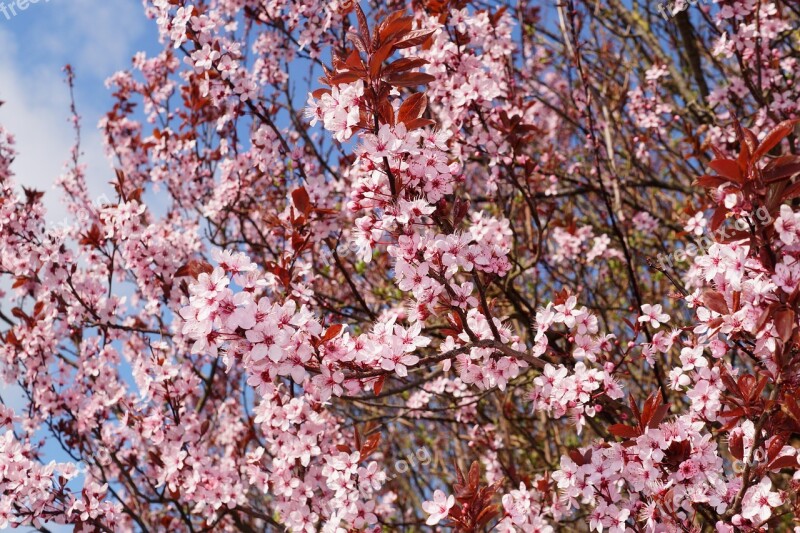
97, 39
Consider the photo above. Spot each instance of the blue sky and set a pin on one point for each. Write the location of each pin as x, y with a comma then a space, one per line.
98, 38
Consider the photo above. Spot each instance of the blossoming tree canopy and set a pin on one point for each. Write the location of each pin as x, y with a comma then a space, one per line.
403, 273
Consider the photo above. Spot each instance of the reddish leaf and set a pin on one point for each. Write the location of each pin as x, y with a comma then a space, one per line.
718, 218
626, 432
775, 446
376, 61
395, 25
658, 415
775, 136
576, 457
784, 461
413, 38
766, 315
751, 141
409, 79
759, 388
730, 384
413, 107
747, 144
19, 313
487, 514
791, 408
11, 338
710, 182
784, 323
344, 77
370, 445
736, 446
746, 385
386, 112
332, 332
301, 200
377, 387
474, 474
635, 408
403, 65
419, 123
715, 301
363, 27
194, 268
727, 168
358, 41
780, 168
791, 192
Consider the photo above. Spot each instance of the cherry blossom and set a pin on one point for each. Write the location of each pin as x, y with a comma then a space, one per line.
438, 507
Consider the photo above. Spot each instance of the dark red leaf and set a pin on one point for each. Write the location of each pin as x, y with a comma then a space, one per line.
395, 25
746, 384
383, 24
409, 79
727, 168
736, 446
413, 38
370, 445
775, 136
419, 123
784, 323
791, 192
781, 167
775, 446
377, 387
376, 61
332, 332
784, 461
404, 64
718, 218
194, 268
659, 414
715, 301
413, 108
344, 77
626, 432
358, 41
710, 182
301, 200
766, 315
363, 27
635, 408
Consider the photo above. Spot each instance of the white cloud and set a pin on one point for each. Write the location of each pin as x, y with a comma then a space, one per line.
97, 39
98, 36
41, 132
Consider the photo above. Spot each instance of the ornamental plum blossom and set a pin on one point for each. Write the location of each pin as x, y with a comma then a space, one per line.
343, 234
438, 507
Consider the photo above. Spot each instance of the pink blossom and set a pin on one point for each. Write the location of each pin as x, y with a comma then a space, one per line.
439, 507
